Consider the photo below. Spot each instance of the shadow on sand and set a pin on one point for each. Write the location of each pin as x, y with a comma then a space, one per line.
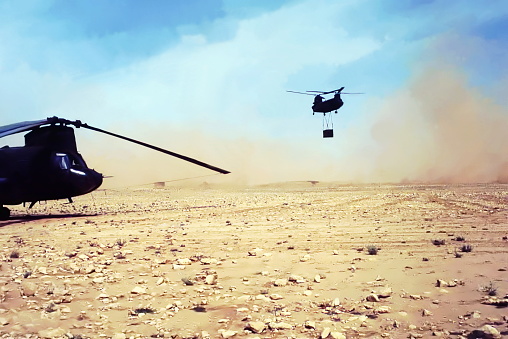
14, 219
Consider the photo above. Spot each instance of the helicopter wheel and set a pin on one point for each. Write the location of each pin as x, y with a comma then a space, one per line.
5, 213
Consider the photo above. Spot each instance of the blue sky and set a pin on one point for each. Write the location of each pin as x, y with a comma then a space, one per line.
208, 78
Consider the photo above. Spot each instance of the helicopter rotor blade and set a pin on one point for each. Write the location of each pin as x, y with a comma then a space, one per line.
334, 91
20, 127
300, 93
183, 157
350, 93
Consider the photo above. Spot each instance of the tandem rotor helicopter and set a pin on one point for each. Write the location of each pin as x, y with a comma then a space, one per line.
326, 106
49, 166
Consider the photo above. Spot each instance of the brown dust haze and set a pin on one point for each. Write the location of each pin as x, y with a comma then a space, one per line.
437, 130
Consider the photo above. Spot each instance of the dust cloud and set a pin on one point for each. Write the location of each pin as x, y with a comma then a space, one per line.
439, 130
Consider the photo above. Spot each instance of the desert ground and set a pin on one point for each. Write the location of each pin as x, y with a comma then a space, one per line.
289, 260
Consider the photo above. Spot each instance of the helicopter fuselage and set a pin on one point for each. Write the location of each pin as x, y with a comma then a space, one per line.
329, 105
48, 167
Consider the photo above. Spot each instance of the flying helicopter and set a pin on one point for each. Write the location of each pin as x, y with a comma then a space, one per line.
326, 106
49, 167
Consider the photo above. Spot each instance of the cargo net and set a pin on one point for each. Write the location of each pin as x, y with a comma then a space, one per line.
327, 121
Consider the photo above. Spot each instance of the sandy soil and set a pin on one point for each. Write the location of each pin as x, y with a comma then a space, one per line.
277, 261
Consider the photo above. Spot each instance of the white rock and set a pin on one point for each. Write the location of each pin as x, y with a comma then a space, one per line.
488, 331
325, 333
183, 261
52, 333
256, 326
280, 326
280, 282
372, 297
211, 279
138, 290
385, 293
276, 296
228, 334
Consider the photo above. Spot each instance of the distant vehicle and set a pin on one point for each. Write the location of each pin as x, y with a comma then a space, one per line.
49, 166
326, 106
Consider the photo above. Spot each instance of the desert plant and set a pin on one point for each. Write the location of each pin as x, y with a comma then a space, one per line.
490, 289
460, 238
144, 310
438, 242
466, 248
14, 254
372, 249
121, 242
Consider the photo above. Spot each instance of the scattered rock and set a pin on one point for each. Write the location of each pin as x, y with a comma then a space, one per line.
372, 297
227, 333
138, 290
52, 333
325, 333
28, 288
279, 326
280, 282
310, 324
486, 331
385, 293
255, 326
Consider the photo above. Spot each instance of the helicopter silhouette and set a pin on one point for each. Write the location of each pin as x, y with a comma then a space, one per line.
326, 106
49, 167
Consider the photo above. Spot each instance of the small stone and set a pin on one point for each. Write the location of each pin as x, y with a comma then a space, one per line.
211, 279
119, 336
325, 333
280, 326
276, 296
184, 261
4, 321
336, 302
383, 309
255, 326
317, 278
426, 313
228, 334
441, 283
385, 293
28, 288
138, 290
296, 278
486, 331
280, 282
52, 333
305, 258
372, 297
310, 324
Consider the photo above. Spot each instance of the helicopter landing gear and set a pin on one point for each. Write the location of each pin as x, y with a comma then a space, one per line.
5, 213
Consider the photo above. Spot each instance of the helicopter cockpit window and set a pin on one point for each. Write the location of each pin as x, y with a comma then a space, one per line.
62, 161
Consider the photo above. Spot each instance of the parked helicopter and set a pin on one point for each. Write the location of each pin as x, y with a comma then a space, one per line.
49, 166
326, 106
